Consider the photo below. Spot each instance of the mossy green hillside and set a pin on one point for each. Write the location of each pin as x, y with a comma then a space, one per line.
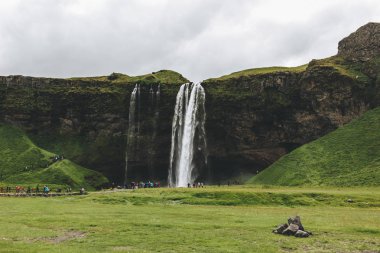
62, 172
348, 156
22, 162
18, 153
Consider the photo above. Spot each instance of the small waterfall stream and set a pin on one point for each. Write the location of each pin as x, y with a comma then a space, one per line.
133, 128
188, 134
155, 110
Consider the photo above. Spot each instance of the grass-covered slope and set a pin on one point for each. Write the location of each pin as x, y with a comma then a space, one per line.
349, 156
260, 71
339, 64
22, 162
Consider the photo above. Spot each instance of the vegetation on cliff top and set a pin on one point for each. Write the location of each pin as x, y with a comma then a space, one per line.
349, 156
342, 66
162, 76
22, 162
259, 71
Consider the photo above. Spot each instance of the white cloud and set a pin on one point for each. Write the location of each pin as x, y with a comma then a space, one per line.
200, 39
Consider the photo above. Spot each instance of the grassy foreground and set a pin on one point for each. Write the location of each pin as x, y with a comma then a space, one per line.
234, 219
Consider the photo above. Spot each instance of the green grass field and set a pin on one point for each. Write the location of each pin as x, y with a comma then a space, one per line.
348, 156
213, 219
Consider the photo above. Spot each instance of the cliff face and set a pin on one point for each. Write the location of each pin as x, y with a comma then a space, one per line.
86, 119
253, 117
362, 45
258, 119
256, 116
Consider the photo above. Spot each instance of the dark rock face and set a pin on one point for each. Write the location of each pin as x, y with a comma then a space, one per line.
362, 45
258, 119
87, 121
251, 120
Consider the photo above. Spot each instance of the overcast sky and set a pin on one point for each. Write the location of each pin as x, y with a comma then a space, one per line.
198, 38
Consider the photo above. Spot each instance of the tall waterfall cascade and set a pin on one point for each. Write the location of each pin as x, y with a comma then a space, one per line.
188, 140
134, 127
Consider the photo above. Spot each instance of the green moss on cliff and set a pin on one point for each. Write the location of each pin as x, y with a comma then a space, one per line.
344, 67
349, 156
259, 71
162, 76
22, 162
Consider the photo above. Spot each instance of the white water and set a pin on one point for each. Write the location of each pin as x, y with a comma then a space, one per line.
138, 107
176, 134
151, 92
131, 134
188, 124
155, 109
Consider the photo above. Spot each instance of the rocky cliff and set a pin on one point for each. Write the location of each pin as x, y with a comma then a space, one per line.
256, 116
86, 119
362, 45
253, 116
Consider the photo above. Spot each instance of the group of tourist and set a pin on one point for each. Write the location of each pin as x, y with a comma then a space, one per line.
195, 185
148, 184
21, 189
137, 185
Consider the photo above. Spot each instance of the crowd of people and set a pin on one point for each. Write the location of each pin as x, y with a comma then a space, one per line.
148, 184
21, 189
195, 185
136, 185
151, 184
46, 190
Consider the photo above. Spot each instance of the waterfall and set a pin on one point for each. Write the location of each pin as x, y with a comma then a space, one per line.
155, 108
132, 130
177, 131
158, 92
151, 93
188, 134
138, 107
156, 111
